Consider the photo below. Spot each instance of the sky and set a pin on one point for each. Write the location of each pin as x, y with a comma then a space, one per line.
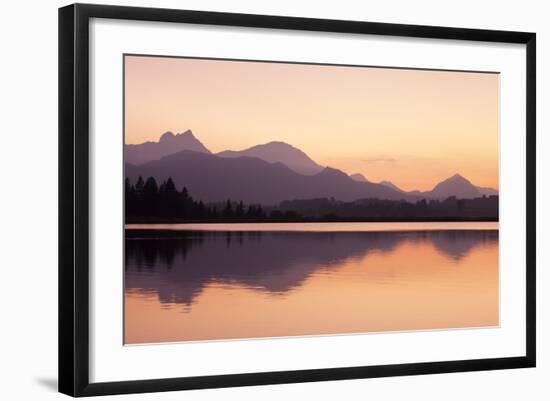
411, 127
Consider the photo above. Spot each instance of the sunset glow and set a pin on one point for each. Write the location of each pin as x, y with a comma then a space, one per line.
412, 127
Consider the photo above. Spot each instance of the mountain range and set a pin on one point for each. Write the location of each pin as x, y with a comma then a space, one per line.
167, 144
267, 174
279, 152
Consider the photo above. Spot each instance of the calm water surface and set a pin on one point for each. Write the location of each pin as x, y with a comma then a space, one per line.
215, 281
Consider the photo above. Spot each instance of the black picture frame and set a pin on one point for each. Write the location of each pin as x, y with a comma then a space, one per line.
74, 201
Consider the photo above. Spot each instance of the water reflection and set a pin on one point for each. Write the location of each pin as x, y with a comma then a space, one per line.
176, 266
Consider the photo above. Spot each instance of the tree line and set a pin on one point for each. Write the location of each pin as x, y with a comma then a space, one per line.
147, 199
485, 207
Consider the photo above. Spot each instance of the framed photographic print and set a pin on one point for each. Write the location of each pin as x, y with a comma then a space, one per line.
250, 199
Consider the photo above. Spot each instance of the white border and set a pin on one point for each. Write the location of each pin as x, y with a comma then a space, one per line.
111, 361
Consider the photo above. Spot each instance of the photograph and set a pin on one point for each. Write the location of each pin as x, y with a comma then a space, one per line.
268, 199
249, 198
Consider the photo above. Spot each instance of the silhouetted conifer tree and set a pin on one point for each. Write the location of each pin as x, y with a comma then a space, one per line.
251, 212
130, 199
214, 212
169, 202
239, 211
139, 185
228, 211
150, 197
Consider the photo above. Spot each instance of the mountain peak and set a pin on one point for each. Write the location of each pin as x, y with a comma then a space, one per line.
168, 143
457, 177
455, 185
279, 152
278, 146
188, 133
277, 143
167, 136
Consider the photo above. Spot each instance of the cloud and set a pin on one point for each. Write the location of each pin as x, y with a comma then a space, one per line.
385, 160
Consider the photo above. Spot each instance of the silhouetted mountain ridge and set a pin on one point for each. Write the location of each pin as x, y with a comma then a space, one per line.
391, 185
281, 152
358, 177
283, 158
252, 180
455, 186
167, 144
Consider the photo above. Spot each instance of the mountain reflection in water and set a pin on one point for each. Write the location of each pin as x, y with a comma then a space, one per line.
184, 275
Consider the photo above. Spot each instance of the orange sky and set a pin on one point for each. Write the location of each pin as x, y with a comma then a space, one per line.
411, 127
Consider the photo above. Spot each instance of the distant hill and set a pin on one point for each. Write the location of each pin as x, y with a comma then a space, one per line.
391, 185
358, 177
167, 144
213, 179
454, 186
487, 191
279, 152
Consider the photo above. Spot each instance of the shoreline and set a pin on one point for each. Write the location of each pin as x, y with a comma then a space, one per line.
132, 229
160, 220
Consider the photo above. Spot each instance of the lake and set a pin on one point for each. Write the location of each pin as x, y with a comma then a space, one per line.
195, 282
